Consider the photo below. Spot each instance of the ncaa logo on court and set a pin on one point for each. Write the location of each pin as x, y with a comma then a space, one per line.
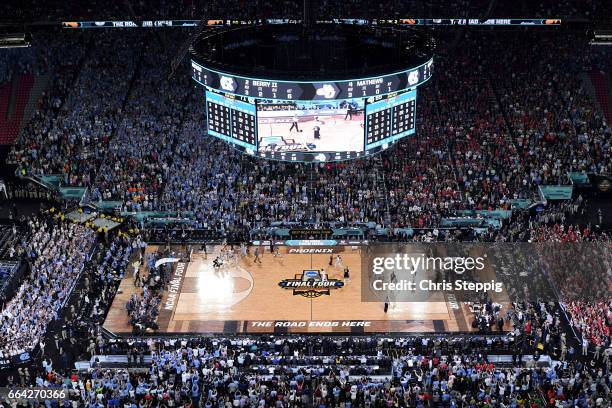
311, 284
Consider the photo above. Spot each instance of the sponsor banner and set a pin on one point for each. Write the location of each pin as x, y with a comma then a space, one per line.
556, 192
266, 243
475, 272
375, 22
352, 242
473, 21
306, 232
311, 242
306, 324
311, 250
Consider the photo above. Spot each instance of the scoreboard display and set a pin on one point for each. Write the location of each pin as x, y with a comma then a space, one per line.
311, 130
390, 118
304, 121
305, 91
232, 120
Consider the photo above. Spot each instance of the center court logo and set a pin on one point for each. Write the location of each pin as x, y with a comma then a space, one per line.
311, 284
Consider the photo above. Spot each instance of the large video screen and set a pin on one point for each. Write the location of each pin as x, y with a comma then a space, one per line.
389, 118
262, 88
310, 126
311, 130
232, 119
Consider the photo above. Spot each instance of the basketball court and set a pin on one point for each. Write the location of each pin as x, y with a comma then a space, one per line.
335, 133
243, 296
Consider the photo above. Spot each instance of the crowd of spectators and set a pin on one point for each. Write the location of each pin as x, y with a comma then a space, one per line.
335, 372
135, 169
74, 140
153, 278
489, 131
592, 320
101, 277
56, 255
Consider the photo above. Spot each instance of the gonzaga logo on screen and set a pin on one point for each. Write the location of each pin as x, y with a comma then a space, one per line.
311, 284
327, 91
413, 77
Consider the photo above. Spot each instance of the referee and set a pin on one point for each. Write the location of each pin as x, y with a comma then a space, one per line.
349, 112
295, 121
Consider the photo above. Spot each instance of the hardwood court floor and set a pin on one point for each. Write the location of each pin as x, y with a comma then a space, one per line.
245, 297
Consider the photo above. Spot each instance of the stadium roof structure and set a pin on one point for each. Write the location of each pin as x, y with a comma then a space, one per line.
320, 51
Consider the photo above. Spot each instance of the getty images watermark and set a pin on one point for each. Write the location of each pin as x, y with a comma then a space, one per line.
474, 272
391, 266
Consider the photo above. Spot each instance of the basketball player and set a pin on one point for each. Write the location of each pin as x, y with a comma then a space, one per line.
231, 258
277, 252
294, 124
256, 253
217, 264
346, 274
338, 264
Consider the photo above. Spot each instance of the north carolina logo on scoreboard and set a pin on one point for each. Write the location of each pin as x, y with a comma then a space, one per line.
227, 83
311, 284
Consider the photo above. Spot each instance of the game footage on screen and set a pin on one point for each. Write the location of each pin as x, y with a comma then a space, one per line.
318, 126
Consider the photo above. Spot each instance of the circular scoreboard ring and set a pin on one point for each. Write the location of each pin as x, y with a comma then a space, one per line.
322, 62
326, 92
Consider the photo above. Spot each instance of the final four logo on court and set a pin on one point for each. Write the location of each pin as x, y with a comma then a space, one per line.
311, 284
